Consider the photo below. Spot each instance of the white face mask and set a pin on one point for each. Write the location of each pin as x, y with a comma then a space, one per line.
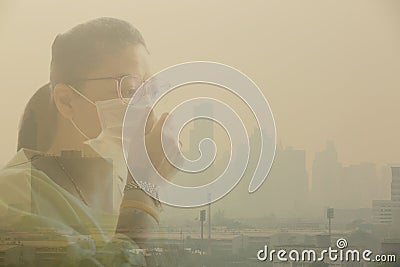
108, 144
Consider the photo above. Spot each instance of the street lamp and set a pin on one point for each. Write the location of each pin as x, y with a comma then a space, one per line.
329, 215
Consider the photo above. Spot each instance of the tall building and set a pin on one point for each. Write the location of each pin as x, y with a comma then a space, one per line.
344, 187
382, 211
284, 193
395, 186
326, 173
358, 186
202, 128
387, 212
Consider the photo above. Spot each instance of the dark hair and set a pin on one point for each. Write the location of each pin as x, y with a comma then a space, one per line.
74, 53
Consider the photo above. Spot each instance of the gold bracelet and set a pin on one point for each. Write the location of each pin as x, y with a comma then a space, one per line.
142, 206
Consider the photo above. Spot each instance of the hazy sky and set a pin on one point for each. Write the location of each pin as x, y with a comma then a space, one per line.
329, 69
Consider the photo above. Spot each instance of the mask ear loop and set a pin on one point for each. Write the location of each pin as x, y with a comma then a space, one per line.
82, 95
79, 130
72, 121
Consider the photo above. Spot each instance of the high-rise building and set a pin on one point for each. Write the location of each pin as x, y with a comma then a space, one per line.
361, 176
284, 192
388, 211
344, 187
395, 186
203, 128
382, 211
326, 176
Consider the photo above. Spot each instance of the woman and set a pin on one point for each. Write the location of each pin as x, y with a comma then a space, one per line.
61, 181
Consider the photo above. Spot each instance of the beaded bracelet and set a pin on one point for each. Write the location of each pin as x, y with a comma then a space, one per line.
146, 186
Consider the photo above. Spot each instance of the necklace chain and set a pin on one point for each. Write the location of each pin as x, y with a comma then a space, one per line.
72, 181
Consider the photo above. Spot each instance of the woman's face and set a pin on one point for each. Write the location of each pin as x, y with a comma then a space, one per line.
132, 60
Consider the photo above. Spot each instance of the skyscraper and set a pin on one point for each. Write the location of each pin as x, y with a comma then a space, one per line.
202, 128
388, 211
395, 186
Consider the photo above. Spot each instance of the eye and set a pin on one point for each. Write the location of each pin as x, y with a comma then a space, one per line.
128, 92
129, 85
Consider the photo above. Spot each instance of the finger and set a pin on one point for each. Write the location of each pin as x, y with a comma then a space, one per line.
159, 124
167, 170
153, 142
171, 147
150, 122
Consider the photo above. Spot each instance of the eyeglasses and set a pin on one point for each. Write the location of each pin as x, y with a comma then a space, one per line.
127, 86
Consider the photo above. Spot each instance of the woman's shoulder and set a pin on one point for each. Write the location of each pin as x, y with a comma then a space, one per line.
18, 177
15, 177
19, 168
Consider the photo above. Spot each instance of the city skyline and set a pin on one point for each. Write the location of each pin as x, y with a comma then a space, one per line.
324, 81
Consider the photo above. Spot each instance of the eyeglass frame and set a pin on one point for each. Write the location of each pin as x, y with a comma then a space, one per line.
119, 83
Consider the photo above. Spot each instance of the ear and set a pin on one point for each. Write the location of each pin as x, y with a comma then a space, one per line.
63, 96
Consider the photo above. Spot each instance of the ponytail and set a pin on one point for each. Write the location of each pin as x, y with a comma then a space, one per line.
38, 123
